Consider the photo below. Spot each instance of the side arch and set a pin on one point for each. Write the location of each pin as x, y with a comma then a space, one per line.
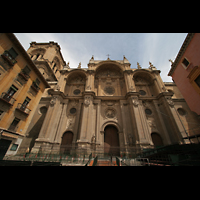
75, 80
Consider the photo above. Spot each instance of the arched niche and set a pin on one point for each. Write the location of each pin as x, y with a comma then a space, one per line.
145, 83
75, 82
109, 80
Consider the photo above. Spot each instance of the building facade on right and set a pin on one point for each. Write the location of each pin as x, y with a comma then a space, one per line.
185, 71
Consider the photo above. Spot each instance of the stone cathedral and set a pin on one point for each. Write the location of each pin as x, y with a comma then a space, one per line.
107, 106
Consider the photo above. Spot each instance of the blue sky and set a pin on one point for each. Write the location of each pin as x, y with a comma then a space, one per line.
157, 48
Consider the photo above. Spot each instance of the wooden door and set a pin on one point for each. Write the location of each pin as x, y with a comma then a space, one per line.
66, 143
111, 140
157, 140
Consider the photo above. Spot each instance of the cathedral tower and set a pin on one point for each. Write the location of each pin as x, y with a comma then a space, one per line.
48, 58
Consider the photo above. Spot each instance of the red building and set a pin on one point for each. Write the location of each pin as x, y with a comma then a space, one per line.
185, 71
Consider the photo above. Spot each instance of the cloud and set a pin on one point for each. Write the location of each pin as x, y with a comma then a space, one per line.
157, 48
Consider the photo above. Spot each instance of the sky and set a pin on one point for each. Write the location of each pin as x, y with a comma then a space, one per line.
157, 48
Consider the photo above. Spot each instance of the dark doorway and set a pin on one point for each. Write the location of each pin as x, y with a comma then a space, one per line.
66, 143
4, 145
111, 140
157, 140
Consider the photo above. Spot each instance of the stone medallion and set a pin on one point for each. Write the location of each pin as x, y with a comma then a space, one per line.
110, 113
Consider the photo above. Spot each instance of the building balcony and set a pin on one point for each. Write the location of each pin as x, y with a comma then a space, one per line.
22, 108
6, 56
24, 75
6, 98
35, 87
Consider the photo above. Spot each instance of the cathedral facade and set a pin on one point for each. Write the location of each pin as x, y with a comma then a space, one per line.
108, 106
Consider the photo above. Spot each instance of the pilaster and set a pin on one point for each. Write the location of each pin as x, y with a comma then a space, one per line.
86, 131
49, 127
141, 122
130, 85
62, 124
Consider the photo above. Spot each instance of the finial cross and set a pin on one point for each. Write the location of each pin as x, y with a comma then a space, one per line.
108, 55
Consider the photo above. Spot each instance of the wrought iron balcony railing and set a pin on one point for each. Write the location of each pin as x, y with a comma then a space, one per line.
7, 98
24, 75
7, 57
23, 108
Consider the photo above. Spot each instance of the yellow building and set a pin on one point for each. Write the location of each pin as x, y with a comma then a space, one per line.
21, 88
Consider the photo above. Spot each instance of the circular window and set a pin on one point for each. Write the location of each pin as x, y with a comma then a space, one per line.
72, 110
77, 91
109, 90
148, 111
181, 111
43, 110
142, 92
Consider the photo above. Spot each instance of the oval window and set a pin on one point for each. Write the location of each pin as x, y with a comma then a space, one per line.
148, 111
72, 110
142, 92
77, 91
181, 111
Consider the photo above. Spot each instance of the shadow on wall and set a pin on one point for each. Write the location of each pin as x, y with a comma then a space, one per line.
29, 140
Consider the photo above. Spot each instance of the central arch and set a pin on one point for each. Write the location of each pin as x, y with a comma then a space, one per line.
111, 140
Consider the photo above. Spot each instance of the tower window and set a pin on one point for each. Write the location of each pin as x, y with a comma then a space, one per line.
37, 56
54, 66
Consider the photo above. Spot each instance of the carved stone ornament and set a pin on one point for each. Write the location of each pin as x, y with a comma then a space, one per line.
57, 88
135, 101
69, 122
131, 88
170, 102
110, 113
93, 139
53, 101
88, 87
87, 101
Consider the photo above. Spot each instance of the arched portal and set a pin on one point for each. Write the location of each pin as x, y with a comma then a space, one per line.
66, 143
157, 140
111, 140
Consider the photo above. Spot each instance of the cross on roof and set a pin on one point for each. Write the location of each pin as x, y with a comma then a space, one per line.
108, 55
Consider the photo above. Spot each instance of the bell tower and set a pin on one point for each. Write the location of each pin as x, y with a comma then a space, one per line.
48, 58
